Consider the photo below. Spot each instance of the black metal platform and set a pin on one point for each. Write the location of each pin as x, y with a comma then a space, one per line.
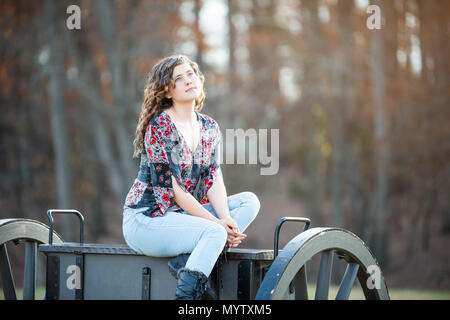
115, 271
123, 249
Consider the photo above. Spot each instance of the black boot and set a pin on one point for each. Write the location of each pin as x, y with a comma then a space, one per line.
179, 262
191, 284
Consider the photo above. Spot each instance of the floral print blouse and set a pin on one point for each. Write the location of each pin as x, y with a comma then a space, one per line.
166, 153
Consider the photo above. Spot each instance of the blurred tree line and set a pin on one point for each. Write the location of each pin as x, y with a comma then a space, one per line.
363, 114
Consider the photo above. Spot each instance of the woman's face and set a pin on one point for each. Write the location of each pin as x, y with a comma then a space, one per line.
187, 85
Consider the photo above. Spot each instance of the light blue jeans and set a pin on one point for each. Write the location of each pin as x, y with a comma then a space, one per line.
179, 232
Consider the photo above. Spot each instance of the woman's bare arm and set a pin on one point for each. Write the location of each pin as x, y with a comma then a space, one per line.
188, 203
217, 196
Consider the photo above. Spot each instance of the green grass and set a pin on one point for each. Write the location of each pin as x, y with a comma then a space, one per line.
394, 293
356, 293
39, 293
414, 294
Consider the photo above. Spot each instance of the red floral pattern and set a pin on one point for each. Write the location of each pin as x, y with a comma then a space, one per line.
136, 192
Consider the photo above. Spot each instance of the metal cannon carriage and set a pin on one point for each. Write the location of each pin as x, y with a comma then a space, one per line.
76, 271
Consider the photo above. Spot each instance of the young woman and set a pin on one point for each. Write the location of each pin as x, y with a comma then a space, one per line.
178, 203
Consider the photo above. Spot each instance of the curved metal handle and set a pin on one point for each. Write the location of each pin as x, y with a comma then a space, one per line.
280, 223
63, 211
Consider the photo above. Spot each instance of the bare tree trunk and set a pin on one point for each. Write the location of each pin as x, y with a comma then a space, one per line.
58, 122
446, 206
265, 65
198, 34
429, 208
233, 85
314, 104
100, 219
341, 104
378, 83
27, 203
109, 34
97, 117
106, 154
27, 76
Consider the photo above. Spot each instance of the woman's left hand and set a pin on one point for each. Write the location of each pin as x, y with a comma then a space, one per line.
235, 238
231, 224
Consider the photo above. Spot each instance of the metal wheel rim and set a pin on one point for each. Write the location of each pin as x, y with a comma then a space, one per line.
25, 229
33, 233
310, 243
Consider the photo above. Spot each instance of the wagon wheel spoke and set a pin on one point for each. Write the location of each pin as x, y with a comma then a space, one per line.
301, 284
9, 289
323, 278
29, 277
347, 281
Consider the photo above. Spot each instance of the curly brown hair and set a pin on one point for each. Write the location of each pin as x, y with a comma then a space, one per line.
155, 92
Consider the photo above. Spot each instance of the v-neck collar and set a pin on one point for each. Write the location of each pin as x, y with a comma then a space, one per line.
174, 127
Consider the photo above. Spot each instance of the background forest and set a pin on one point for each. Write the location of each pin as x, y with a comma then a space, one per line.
363, 114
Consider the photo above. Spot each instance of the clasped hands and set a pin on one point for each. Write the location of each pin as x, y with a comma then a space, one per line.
235, 237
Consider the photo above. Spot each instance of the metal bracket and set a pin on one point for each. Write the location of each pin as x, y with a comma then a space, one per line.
245, 276
306, 221
64, 211
52, 287
79, 261
146, 283
250, 277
